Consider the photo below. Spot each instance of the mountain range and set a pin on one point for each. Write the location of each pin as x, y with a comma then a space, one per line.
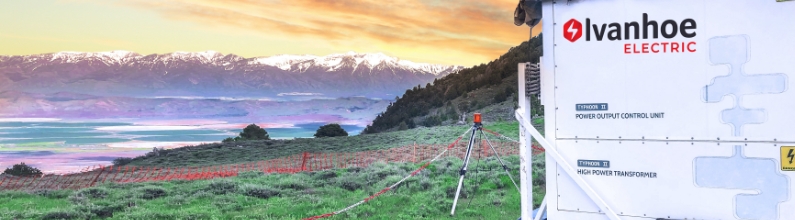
212, 74
72, 106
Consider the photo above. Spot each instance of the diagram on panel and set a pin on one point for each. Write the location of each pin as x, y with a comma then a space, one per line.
738, 171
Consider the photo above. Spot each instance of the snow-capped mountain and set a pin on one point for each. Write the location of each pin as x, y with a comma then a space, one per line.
210, 73
371, 61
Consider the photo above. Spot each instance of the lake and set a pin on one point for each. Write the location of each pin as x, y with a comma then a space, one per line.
58, 146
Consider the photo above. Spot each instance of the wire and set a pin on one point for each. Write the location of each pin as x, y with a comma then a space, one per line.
504, 167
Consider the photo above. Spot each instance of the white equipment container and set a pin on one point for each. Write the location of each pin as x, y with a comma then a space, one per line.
672, 109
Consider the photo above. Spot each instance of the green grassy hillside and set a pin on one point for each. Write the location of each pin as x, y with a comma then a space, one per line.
249, 151
428, 195
469, 90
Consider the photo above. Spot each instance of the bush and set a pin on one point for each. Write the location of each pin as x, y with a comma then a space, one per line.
102, 210
152, 192
292, 183
254, 132
228, 140
250, 175
425, 184
227, 203
330, 130
403, 126
177, 201
22, 169
93, 193
222, 187
63, 214
53, 194
325, 175
261, 192
106, 211
450, 192
121, 161
501, 96
350, 185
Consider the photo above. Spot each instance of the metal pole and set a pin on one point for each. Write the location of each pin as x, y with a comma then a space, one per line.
525, 148
550, 150
464, 168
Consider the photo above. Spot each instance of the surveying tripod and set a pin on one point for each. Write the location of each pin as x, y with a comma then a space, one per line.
477, 127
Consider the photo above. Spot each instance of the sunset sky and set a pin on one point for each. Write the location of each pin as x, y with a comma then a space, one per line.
461, 32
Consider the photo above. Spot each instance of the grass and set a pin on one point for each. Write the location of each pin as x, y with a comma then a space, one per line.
428, 195
249, 151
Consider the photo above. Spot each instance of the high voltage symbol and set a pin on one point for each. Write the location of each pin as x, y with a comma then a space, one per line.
787, 157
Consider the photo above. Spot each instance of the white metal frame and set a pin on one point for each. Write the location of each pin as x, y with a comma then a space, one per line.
554, 158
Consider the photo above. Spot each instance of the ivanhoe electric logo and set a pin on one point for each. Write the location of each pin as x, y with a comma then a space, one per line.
634, 30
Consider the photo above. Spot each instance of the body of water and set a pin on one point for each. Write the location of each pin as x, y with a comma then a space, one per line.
67, 146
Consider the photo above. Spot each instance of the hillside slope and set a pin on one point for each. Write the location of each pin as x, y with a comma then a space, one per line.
254, 195
459, 94
257, 150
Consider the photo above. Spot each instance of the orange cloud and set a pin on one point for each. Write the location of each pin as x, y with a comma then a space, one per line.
475, 31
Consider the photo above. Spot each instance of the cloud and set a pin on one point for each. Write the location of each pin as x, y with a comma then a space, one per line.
410, 28
299, 94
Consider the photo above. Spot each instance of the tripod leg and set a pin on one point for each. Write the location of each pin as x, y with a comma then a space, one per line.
464, 168
504, 167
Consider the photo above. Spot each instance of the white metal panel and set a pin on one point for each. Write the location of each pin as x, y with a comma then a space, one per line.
708, 177
674, 83
548, 91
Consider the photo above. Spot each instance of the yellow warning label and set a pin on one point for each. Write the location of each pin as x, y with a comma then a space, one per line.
788, 158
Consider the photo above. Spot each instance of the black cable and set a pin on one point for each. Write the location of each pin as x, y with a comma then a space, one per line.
477, 185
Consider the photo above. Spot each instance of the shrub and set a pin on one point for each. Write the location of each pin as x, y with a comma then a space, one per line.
450, 191
201, 194
222, 187
53, 194
350, 185
250, 175
254, 132
228, 140
78, 199
22, 169
330, 130
354, 169
93, 193
64, 214
260, 192
177, 201
121, 161
106, 211
498, 182
227, 203
102, 210
403, 126
425, 184
293, 184
152, 192
325, 175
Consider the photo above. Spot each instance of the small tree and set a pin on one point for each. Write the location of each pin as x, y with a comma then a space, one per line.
121, 161
330, 130
403, 126
509, 91
254, 132
501, 96
228, 140
22, 169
